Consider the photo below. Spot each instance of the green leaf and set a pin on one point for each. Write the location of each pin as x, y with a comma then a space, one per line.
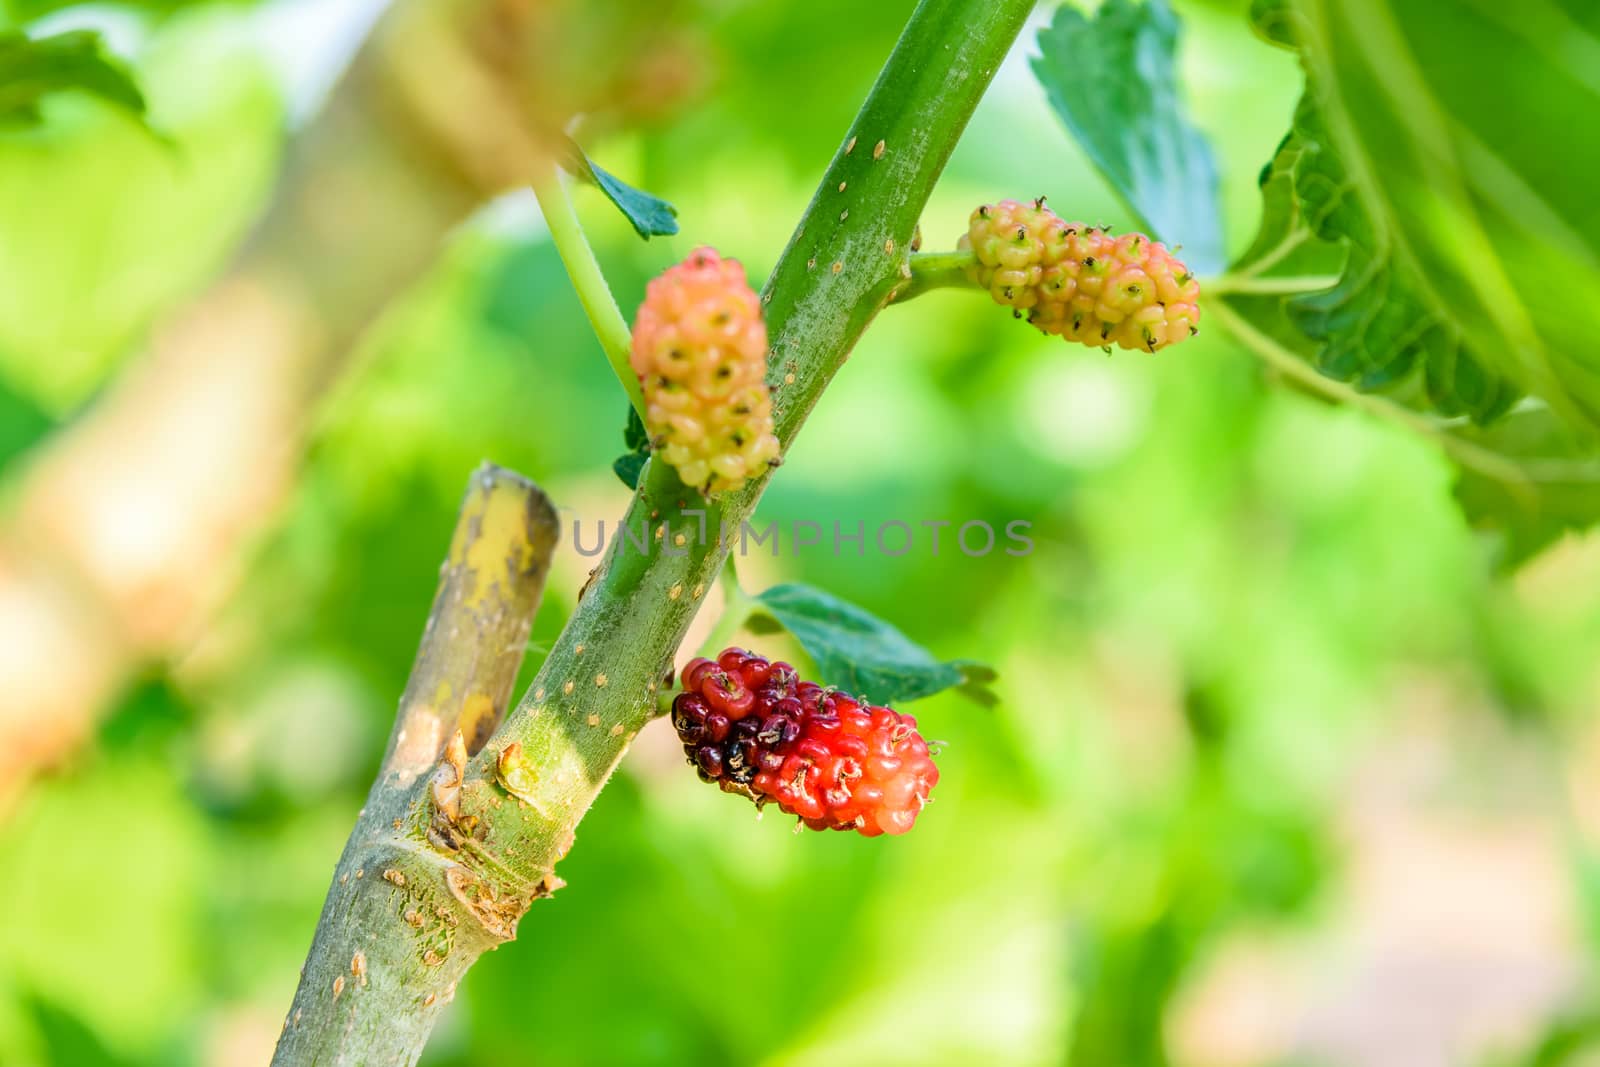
31, 68
1465, 272
634, 435
1443, 114
1378, 327
858, 652
89, 209
630, 465
650, 215
1113, 80
1557, 489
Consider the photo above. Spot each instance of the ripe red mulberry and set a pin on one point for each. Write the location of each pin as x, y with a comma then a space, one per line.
1078, 281
754, 727
700, 350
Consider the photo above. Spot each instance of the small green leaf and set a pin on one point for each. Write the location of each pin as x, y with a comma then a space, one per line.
1113, 80
650, 215
31, 68
630, 465
634, 436
855, 650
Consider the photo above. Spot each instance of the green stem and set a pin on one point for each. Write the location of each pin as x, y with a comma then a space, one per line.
737, 607
607, 319
936, 270
598, 687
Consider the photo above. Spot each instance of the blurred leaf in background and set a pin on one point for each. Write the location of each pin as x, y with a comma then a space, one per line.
22, 422
31, 10
76, 61
1559, 494
90, 206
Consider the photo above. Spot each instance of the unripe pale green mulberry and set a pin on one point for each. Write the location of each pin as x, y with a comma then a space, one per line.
1078, 281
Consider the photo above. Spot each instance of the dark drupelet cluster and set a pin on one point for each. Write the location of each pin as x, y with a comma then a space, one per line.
735, 709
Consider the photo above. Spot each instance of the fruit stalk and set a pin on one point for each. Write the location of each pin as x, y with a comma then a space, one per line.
937, 270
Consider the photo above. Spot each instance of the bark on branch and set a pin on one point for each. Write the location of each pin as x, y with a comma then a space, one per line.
403, 917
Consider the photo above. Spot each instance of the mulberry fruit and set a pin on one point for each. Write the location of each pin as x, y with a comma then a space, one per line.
753, 727
700, 351
1078, 281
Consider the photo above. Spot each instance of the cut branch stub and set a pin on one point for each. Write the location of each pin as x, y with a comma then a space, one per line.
491, 584
415, 898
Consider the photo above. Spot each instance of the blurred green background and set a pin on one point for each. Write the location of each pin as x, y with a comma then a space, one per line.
1279, 775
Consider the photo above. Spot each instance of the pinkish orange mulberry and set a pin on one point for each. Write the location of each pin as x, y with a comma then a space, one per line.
700, 351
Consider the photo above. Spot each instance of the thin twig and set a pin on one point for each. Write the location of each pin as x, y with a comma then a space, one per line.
610, 326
